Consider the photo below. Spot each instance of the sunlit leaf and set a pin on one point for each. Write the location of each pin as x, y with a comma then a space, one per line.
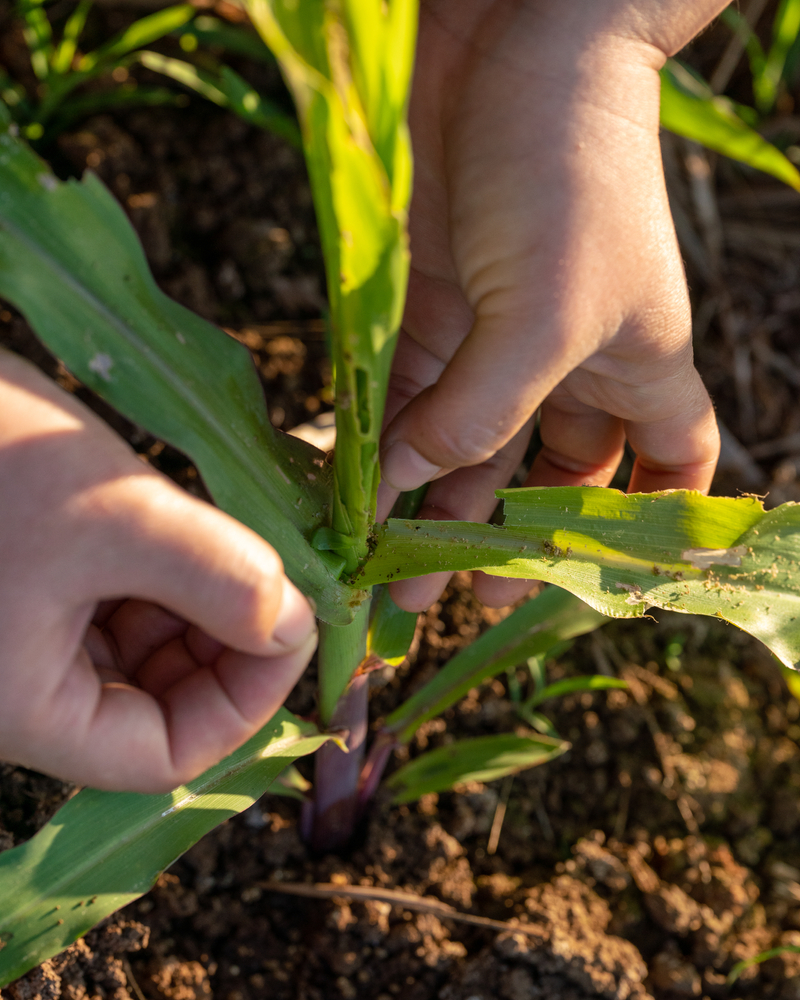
70, 261
61, 61
785, 28
623, 553
143, 32
712, 122
103, 849
38, 36
349, 71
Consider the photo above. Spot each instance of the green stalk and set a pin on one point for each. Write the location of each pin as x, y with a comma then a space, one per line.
341, 649
343, 709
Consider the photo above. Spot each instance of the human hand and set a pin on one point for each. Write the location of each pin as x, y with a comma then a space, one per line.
545, 270
145, 633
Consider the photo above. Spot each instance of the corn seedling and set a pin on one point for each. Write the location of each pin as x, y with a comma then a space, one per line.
70, 262
68, 79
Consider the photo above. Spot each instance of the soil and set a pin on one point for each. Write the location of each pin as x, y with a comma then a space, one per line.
647, 861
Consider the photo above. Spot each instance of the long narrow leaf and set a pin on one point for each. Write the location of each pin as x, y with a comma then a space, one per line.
143, 32
38, 36
349, 71
532, 630
622, 554
484, 758
65, 51
104, 849
227, 89
785, 29
765, 956
183, 72
712, 122
70, 261
571, 685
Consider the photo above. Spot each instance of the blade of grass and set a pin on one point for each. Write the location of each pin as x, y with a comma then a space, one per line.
765, 956
115, 53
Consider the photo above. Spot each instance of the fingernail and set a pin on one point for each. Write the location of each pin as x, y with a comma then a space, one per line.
404, 468
295, 623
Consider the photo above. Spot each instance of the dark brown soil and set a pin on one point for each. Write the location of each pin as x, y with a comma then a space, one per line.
662, 849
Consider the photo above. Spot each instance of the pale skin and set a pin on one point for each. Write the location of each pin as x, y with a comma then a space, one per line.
545, 270
147, 634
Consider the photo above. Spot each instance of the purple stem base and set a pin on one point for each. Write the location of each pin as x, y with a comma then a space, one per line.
337, 774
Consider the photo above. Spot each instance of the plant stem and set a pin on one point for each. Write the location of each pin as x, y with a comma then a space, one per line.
341, 649
343, 707
336, 774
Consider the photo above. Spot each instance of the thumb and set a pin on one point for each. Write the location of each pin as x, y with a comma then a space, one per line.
496, 379
148, 539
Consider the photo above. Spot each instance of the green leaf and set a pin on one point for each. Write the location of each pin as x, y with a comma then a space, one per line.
622, 554
484, 758
104, 849
227, 89
143, 32
70, 261
38, 35
349, 68
391, 630
61, 61
203, 83
572, 685
290, 784
534, 629
252, 107
712, 122
785, 29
